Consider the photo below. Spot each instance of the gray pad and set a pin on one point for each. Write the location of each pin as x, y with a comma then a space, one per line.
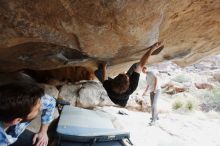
82, 125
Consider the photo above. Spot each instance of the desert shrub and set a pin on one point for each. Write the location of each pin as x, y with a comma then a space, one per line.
216, 92
177, 105
210, 100
181, 78
190, 105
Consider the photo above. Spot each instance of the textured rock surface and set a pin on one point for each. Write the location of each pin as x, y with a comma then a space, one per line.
50, 90
61, 75
90, 94
69, 93
86, 94
41, 34
93, 94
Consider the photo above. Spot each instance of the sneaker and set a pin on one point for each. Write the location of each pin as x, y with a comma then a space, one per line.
158, 50
156, 119
152, 123
122, 112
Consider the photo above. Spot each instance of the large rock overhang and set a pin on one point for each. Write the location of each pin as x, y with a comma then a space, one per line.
44, 34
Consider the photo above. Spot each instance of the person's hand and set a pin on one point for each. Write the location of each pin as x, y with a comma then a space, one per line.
144, 94
40, 139
156, 46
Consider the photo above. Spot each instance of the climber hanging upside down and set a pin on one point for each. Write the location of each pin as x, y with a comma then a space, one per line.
122, 86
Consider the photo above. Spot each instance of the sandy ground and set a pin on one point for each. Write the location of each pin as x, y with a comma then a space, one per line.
173, 129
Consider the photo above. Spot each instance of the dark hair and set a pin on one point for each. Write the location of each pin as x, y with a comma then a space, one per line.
120, 83
17, 100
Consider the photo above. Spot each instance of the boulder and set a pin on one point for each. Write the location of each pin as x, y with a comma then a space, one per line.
50, 90
70, 92
216, 77
173, 89
41, 35
93, 94
204, 86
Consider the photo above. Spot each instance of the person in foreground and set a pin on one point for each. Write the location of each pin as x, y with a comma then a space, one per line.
154, 87
122, 86
19, 105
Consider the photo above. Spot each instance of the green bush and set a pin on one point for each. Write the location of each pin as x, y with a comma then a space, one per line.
210, 99
209, 95
177, 105
181, 78
190, 105
216, 92
203, 94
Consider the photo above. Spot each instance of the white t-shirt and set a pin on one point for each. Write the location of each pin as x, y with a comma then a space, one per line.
151, 79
